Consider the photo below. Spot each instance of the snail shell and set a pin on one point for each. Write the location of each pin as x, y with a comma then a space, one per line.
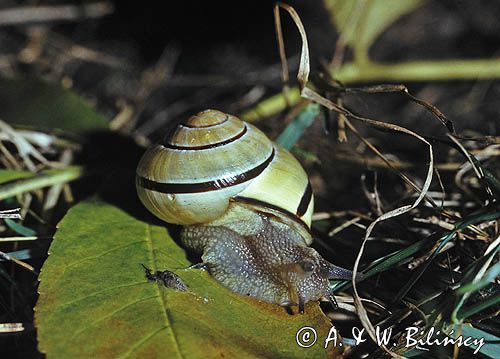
245, 204
214, 158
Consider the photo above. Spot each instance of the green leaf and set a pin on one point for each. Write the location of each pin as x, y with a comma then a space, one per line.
291, 134
43, 105
96, 302
11, 175
361, 22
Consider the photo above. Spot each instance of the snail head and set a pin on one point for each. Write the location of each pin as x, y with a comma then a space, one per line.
307, 276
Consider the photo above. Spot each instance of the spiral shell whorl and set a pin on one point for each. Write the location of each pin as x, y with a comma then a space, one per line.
212, 158
205, 130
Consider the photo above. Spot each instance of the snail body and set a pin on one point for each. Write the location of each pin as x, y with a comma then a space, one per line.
245, 204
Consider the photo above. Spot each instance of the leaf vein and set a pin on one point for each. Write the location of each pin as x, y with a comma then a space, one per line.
99, 292
102, 254
141, 342
90, 325
72, 264
163, 304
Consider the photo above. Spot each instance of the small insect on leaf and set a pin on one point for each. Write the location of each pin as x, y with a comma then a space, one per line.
167, 278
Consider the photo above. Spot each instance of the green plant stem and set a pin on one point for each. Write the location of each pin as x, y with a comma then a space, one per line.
444, 70
44, 179
271, 105
350, 73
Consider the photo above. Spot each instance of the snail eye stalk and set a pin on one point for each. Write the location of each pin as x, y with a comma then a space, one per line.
308, 266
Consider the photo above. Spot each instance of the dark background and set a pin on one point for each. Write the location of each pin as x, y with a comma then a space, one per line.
220, 50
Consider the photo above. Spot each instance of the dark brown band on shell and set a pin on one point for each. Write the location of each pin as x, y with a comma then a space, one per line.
287, 214
305, 200
209, 146
204, 186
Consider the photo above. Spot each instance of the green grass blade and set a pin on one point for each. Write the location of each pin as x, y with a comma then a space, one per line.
489, 349
493, 300
291, 134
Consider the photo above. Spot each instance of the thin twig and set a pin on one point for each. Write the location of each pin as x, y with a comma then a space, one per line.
30, 14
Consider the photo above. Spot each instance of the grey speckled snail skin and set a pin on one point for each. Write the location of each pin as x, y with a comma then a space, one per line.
245, 204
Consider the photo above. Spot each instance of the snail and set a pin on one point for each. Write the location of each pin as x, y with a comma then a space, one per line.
245, 204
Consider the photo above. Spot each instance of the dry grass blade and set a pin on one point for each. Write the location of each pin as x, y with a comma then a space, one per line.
315, 97
27, 14
11, 327
404, 90
6, 257
41, 180
309, 94
25, 149
396, 212
477, 170
399, 165
304, 67
486, 140
54, 192
17, 239
281, 48
343, 226
388, 162
11, 213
